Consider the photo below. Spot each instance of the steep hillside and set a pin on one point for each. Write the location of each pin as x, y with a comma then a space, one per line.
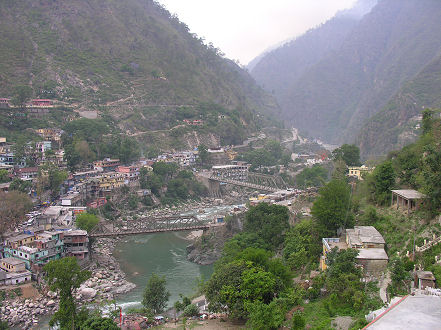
387, 48
130, 59
397, 124
277, 70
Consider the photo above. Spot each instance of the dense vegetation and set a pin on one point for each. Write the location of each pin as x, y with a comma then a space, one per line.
169, 184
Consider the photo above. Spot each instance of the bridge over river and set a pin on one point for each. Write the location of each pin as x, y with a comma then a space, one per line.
147, 225
257, 181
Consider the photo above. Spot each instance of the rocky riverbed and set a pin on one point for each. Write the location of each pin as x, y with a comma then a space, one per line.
26, 312
107, 280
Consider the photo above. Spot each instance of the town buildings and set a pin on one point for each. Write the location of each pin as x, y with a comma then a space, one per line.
369, 243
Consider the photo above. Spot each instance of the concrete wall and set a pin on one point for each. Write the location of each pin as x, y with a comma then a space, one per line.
373, 267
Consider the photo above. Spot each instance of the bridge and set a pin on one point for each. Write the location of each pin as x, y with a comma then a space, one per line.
151, 226
257, 181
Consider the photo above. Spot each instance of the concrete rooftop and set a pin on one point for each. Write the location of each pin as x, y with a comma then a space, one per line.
414, 312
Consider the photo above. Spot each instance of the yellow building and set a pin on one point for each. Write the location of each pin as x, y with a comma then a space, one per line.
12, 265
23, 239
359, 171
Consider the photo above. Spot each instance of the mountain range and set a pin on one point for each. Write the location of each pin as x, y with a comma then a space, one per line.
362, 77
130, 60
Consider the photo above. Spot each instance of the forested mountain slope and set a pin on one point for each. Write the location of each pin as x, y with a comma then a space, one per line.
130, 59
388, 48
277, 70
399, 122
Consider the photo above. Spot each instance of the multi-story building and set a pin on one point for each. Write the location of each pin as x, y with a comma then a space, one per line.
26, 173
130, 173
19, 240
76, 244
13, 271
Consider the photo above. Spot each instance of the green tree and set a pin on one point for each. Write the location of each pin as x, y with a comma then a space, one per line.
155, 295
383, 181
312, 177
332, 206
269, 222
64, 276
203, 154
302, 244
191, 310
20, 185
87, 221
298, 322
263, 316
349, 153
4, 176
21, 95
165, 170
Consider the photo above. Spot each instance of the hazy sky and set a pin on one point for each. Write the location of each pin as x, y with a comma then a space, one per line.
243, 29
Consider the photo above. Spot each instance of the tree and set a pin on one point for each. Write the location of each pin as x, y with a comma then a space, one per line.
349, 153
302, 244
20, 185
156, 295
4, 176
64, 276
332, 206
13, 208
383, 181
81, 147
203, 154
312, 177
21, 95
268, 222
98, 323
87, 221
263, 317
191, 310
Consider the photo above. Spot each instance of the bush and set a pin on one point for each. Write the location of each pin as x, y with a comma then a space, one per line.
191, 310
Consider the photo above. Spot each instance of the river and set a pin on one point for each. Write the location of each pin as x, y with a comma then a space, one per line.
164, 254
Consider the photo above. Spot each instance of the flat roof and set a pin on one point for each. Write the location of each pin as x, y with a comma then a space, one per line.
374, 254
365, 234
412, 312
19, 237
12, 261
409, 194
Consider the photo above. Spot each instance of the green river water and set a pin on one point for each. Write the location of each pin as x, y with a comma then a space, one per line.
163, 254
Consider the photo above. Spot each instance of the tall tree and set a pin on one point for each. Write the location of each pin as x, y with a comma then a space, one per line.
268, 222
13, 208
156, 295
87, 221
349, 153
64, 276
383, 181
203, 154
331, 208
